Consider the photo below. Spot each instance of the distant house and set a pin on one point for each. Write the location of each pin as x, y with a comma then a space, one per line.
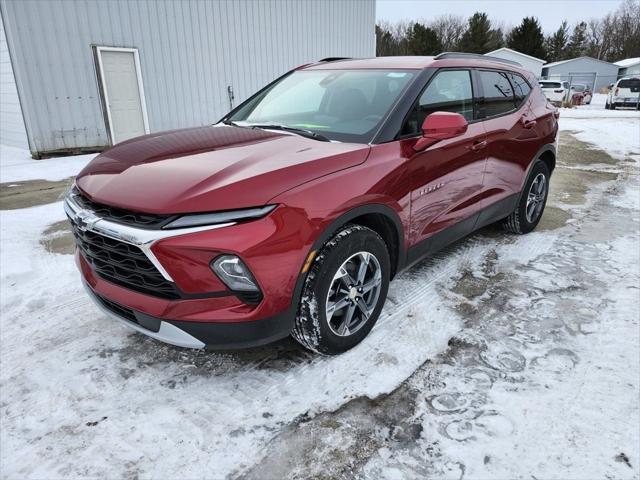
589, 71
628, 66
530, 63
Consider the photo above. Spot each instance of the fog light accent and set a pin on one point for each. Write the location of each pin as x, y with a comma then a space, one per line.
234, 273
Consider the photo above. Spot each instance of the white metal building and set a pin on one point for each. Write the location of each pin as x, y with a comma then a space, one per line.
82, 75
586, 70
628, 66
533, 64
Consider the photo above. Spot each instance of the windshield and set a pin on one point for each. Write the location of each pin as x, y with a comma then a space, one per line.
550, 85
343, 105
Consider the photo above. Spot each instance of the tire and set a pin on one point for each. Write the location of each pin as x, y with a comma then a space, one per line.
324, 287
520, 221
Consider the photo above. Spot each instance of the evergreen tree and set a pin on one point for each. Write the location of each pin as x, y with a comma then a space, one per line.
556, 43
423, 40
578, 42
528, 38
479, 36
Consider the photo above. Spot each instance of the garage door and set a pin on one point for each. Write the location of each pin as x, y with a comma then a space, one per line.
122, 93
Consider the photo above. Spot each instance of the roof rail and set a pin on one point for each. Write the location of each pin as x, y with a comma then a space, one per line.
478, 56
333, 59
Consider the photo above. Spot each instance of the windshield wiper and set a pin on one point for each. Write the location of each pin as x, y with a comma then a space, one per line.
300, 131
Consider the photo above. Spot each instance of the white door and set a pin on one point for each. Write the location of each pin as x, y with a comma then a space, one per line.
123, 93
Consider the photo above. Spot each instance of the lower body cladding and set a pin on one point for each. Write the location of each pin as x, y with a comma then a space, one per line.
218, 336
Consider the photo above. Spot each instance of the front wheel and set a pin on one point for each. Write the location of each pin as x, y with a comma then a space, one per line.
532, 201
344, 291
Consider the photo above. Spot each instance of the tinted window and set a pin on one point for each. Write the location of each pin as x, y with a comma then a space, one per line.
449, 91
550, 85
498, 93
520, 88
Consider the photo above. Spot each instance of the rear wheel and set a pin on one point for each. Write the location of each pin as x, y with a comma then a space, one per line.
532, 201
344, 291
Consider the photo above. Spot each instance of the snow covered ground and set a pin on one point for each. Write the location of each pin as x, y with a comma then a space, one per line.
503, 357
16, 164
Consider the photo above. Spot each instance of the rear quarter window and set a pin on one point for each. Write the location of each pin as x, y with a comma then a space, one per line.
498, 93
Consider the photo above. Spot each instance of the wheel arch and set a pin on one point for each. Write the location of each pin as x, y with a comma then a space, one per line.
548, 155
380, 218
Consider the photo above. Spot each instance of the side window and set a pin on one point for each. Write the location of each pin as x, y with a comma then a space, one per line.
448, 91
498, 93
520, 88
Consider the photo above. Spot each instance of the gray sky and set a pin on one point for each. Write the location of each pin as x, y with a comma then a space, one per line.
508, 12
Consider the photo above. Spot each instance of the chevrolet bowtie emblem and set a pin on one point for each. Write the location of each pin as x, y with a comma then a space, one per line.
85, 220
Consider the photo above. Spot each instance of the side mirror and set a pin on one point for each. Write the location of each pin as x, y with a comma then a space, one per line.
440, 126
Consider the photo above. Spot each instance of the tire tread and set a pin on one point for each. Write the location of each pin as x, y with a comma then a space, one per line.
306, 329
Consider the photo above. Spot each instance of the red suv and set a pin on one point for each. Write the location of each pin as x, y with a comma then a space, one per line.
291, 215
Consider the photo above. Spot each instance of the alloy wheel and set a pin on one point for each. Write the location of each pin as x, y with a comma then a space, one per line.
536, 197
353, 293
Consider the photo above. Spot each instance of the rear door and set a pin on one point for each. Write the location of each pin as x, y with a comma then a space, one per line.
512, 134
446, 178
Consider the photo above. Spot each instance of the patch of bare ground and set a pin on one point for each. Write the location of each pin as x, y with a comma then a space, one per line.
30, 193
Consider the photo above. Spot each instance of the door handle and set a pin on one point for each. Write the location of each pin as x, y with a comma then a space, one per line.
478, 145
528, 123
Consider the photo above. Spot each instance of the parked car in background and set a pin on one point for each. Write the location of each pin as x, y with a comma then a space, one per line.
625, 93
291, 215
580, 94
556, 91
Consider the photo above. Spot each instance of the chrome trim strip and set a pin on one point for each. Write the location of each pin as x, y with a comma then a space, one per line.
141, 238
168, 333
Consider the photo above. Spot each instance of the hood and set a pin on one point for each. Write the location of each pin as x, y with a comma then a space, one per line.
210, 169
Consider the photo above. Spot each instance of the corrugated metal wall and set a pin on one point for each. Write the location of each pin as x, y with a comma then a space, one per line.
190, 50
584, 70
12, 130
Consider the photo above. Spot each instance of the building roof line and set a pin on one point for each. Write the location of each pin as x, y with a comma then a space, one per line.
517, 52
553, 64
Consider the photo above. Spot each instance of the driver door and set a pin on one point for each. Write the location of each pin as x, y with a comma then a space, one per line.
447, 177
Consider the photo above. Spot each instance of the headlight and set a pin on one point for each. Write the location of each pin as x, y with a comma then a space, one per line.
200, 219
234, 273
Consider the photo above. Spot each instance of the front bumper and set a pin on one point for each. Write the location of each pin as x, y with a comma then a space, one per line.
215, 336
205, 312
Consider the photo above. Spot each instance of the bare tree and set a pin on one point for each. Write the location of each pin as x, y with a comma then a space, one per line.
449, 29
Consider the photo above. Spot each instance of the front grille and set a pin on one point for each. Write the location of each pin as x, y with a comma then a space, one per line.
135, 219
123, 264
